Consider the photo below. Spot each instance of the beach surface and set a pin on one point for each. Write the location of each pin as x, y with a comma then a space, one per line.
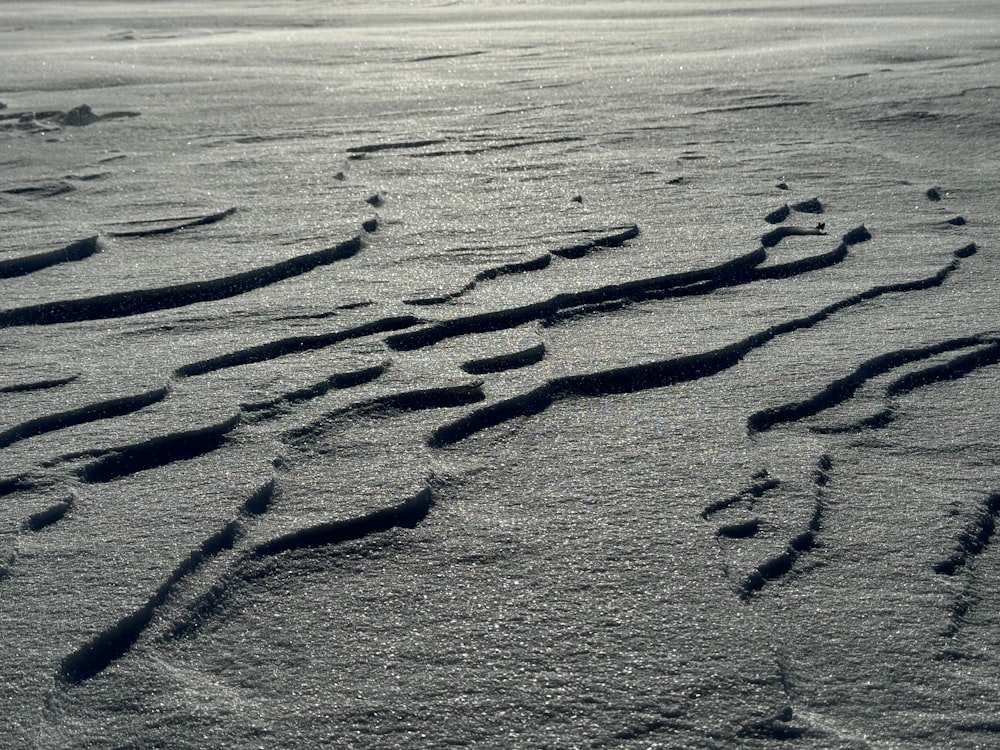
499, 374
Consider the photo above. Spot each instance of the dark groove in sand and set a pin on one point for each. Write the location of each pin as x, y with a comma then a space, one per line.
840, 390
293, 345
445, 397
780, 565
111, 644
661, 373
137, 302
618, 237
405, 515
972, 542
38, 385
337, 381
974, 539
51, 515
502, 362
741, 270
159, 451
91, 412
184, 223
75, 251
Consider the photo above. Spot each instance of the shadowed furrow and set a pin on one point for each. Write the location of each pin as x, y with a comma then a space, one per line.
639, 290
534, 264
729, 273
405, 515
907, 286
634, 378
448, 56
803, 265
530, 356
811, 206
777, 271
842, 389
987, 354
337, 381
124, 304
491, 321
775, 236
293, 345
260, 501
972, 543
645, 376
750, 107
10, 485
525, 405
160, 451
951, 370
107, 647
785, 270
180, 223
740, 530
43, 189
400, 145
446, 397
615, 381
247, 568
38, 385
778, 215
110, 645
974, 539
520, 143
78, 250
90, 413
618, 238
747, 497
51, 515
741, 270
781, 564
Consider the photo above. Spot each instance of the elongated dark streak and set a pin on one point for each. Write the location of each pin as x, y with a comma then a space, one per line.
293, 345
658, 374
405, 515
160, 451
844, 388
741, 270
501, 362
38, 385
186, 223
952, 370
336, 381
445, 397
573, 252
91, 412
124, 304
111, 644
729, 271
30, 263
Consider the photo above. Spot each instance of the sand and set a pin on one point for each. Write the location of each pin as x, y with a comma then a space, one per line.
499, 374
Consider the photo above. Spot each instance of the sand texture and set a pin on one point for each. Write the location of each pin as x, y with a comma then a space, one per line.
501, 374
